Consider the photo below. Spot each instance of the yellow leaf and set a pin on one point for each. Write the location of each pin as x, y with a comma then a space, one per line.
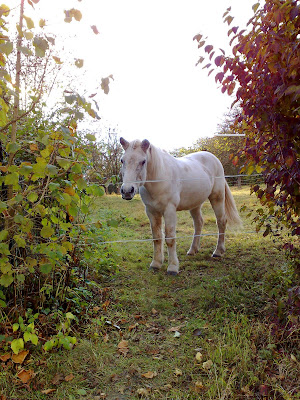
143, 392
29, 22
199, 386
48, 391
149, 375
199, 357
177, 372
207, 364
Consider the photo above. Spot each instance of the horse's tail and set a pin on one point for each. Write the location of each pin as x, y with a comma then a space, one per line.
232, 214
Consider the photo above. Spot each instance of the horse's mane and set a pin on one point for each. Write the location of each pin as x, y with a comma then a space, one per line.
156, 165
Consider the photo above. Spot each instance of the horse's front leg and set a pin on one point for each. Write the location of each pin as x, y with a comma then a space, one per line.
155, 219
170, 234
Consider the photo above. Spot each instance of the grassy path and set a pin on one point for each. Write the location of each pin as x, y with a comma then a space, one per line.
200, 335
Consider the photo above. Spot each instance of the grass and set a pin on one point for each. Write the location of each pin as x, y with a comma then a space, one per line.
201, 335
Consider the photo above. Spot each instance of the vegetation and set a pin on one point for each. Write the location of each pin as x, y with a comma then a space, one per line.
263, 75
213, 332
222, 329
45, 200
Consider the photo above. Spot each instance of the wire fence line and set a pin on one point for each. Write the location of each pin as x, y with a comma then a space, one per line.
163, 238
185, 180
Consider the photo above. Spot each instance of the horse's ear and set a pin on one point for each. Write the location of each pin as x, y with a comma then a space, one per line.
145, 145
124, 143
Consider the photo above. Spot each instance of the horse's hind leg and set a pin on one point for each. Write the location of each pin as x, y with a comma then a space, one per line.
198, 223
156, 227
217, 201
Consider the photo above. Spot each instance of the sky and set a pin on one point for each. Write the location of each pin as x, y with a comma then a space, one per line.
158, 92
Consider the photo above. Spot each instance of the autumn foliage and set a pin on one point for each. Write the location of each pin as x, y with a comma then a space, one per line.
264, 76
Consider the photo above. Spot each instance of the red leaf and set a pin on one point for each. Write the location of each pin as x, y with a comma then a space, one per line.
219, 61
208, 48
219, 77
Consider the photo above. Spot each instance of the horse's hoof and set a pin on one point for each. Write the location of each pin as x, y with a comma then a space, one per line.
172, 273
216, 256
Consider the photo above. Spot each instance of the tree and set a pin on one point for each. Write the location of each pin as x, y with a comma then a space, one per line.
263, 75
45, 200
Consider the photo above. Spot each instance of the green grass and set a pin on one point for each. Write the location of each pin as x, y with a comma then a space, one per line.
217, 306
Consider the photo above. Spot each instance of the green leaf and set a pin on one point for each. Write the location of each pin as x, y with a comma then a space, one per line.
12, 179
6, 280
69, 315
3, 206
90, 137
20, 278
15, 327
29, 22
47, 232
46, 268
3, 304
81, 183
52, 169
32, 197
25, 170
65, 164
6, 47
3, 235
41, 45
4, 249
54, 186
17, 345
21, 242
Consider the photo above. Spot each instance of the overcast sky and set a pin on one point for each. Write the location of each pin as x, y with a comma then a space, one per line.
147, 45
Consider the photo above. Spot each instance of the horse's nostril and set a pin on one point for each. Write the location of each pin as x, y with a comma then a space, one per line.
132, 190
122, 190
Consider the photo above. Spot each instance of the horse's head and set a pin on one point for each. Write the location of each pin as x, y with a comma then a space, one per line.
134, 166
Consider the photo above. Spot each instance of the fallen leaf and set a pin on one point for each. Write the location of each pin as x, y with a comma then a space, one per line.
177, 334
5, 357
69, 377
105, 338
293, 358
58, 378
177, 372
143, 392
149, 375
154, 312
131, 327
175, 328
20, 357
123, 347
199, 356
207, 364
199, 386
48, 391
26, 375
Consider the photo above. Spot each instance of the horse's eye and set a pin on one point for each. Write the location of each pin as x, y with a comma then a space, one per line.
143, 162
122, 161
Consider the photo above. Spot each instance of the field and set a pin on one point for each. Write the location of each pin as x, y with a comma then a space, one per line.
208, 333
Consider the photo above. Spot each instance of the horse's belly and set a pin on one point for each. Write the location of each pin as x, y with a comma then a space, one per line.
192, 198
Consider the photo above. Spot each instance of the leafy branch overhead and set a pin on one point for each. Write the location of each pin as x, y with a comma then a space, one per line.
263, 76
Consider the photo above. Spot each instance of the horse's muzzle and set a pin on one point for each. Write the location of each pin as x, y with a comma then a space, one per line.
127, 194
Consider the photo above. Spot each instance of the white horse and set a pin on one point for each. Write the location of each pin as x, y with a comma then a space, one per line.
168, 184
